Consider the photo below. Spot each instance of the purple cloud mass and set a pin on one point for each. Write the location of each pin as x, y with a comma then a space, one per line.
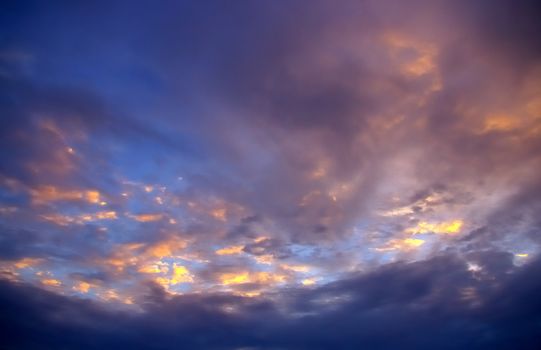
270, 175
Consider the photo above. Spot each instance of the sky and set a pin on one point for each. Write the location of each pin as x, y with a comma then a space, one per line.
246, 175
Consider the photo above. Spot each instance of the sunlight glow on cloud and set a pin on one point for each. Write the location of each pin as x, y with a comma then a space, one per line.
51, 282
447, 227
44, 194
266, 278
401, 244
147, 217
82, 287
231, 250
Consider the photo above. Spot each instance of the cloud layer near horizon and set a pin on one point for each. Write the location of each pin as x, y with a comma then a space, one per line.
425, 305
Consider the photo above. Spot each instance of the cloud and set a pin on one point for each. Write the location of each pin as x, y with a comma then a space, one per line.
436, 303
274, 175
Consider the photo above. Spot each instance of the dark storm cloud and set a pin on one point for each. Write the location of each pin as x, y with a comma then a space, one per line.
423, 305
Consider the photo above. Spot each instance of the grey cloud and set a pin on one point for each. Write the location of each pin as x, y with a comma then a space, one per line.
423, 305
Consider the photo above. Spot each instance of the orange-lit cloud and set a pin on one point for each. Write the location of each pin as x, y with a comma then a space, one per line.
147, 217
158, 267
319, 172
64, 220
219, 214
423, 60
447, 227
235, 278
266, 259
112, 295
295, 268
102, 215
501, 122
401, 244
397, 212
231, 250
27, 262
251, 277
179, 274
61, 220
51, 282
123, 255
45, 194
146, 258
309, 281
82, 287
169, 247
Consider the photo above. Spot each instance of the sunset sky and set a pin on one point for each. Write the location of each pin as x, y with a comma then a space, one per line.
274, 174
